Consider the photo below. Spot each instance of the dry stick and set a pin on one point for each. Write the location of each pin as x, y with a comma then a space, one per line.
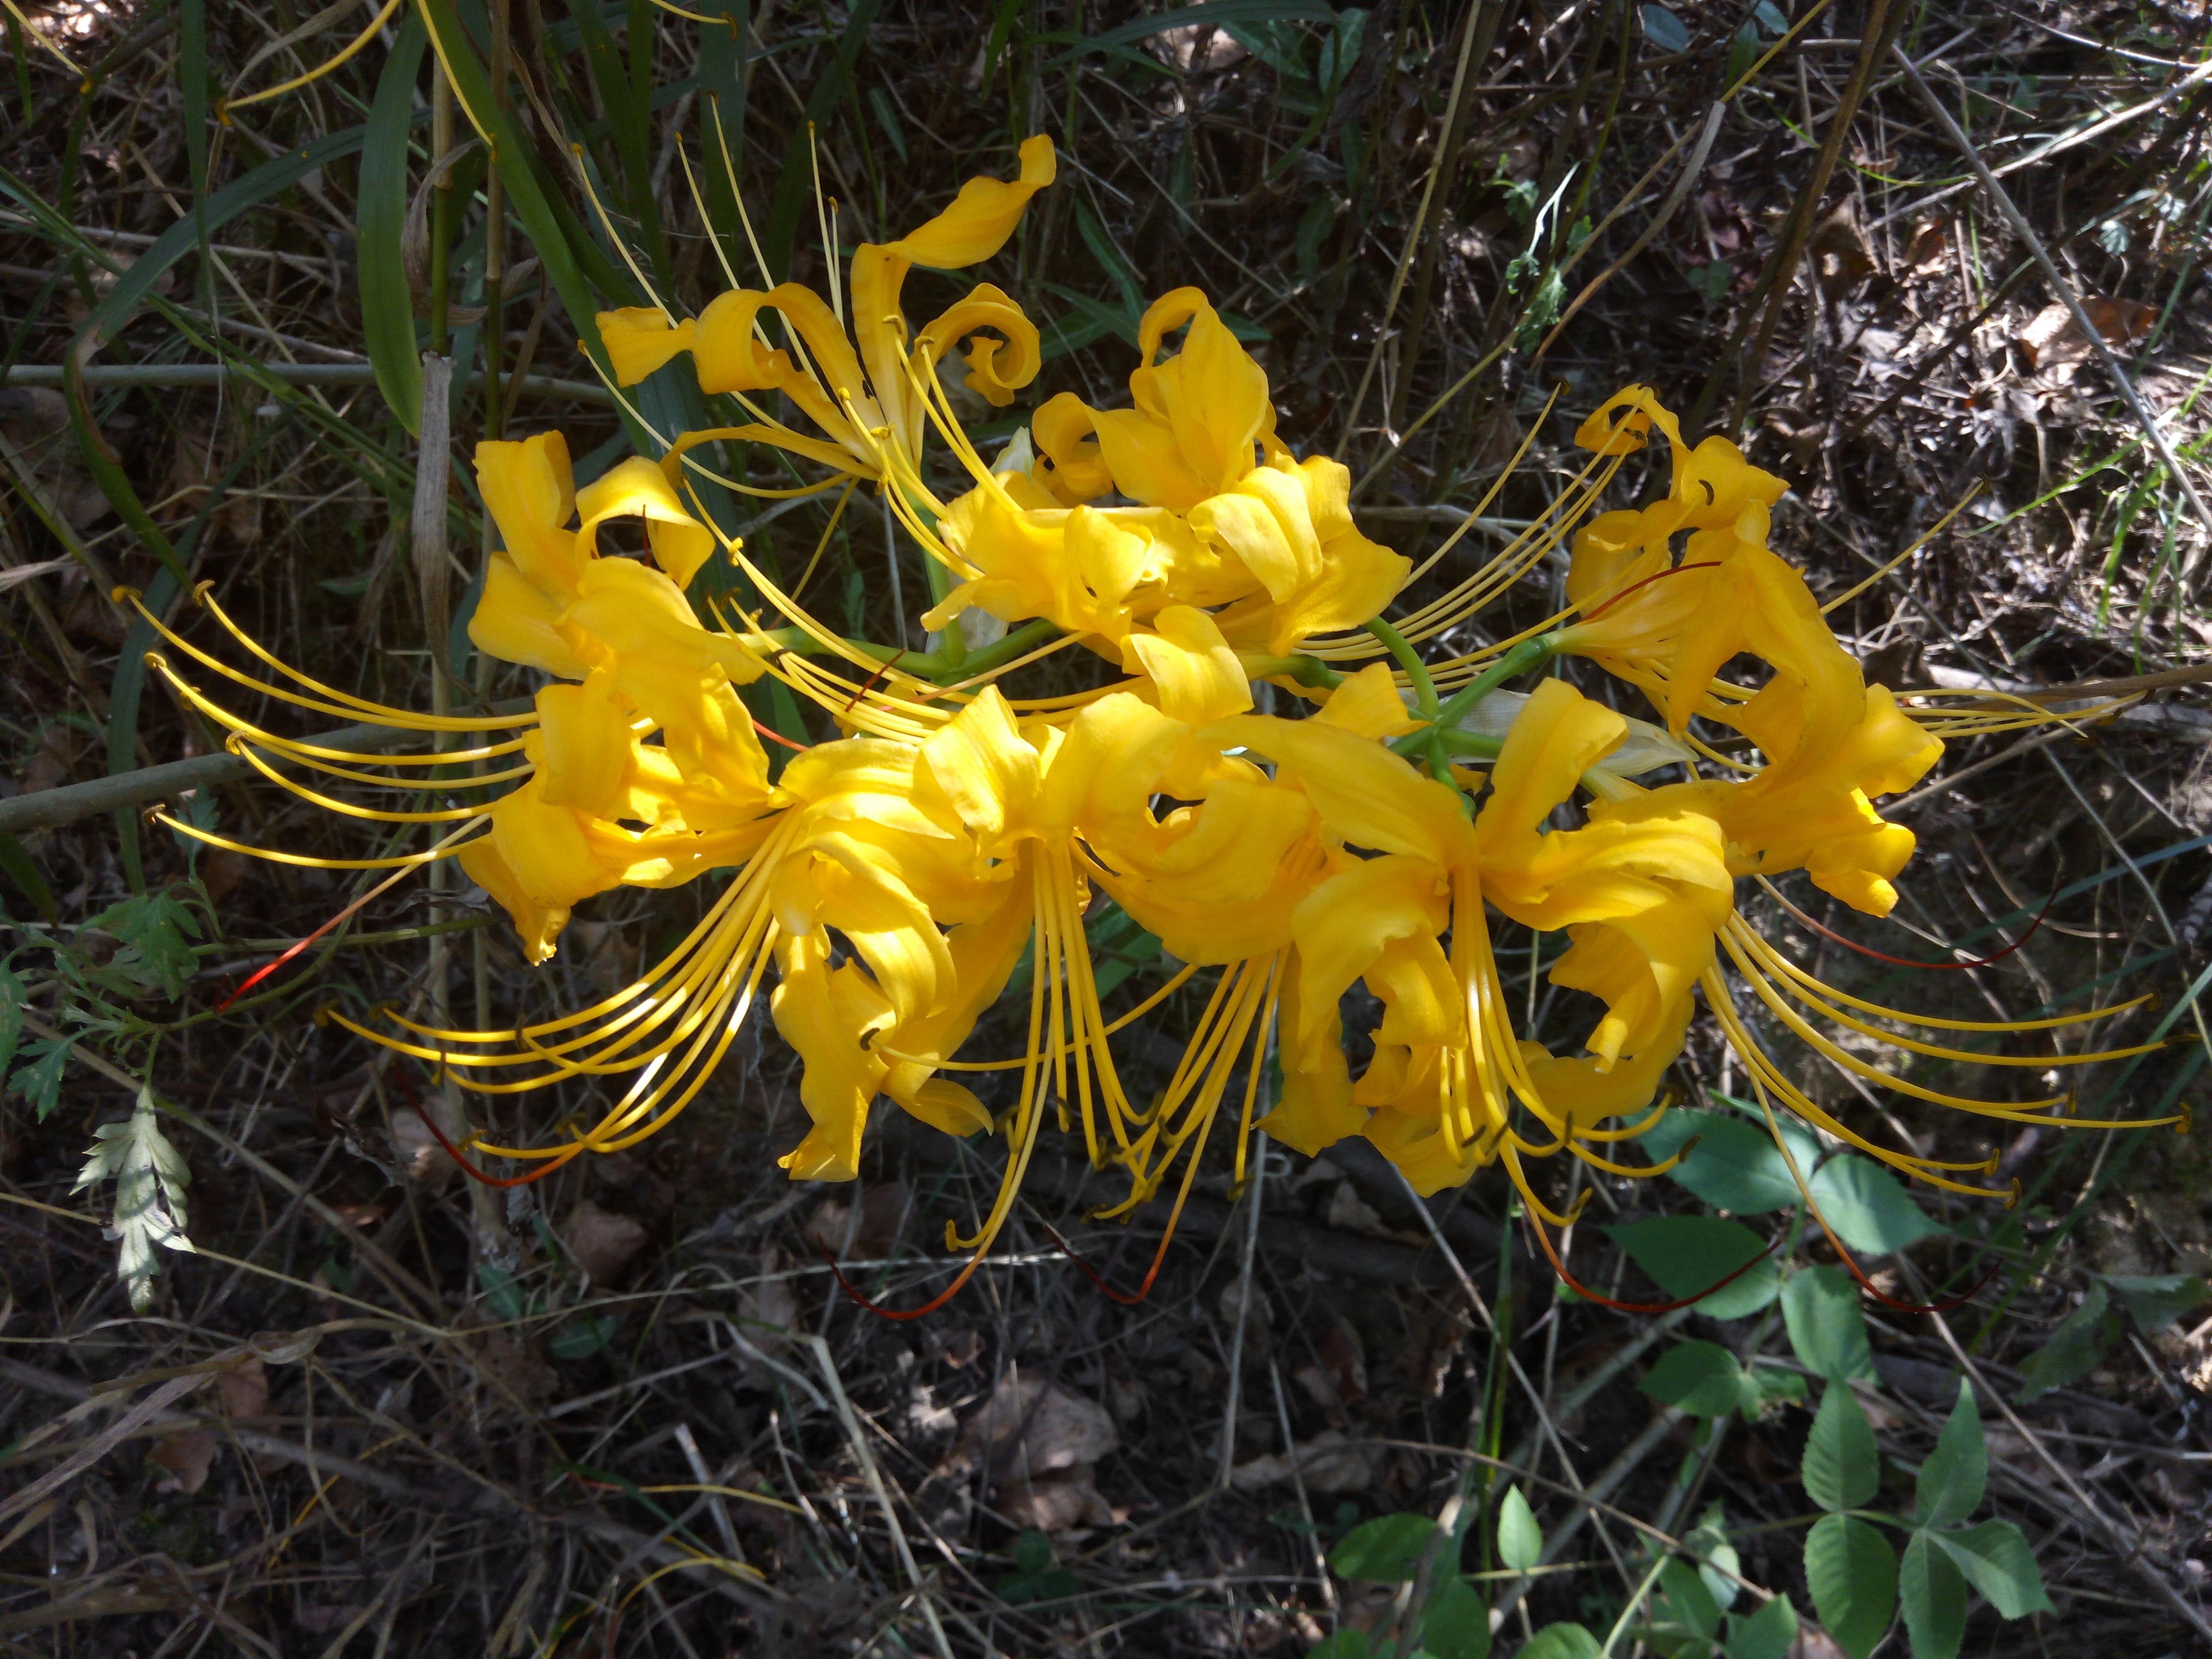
1459, 92
1645, 238
363, 375
53, 809
2131, 1549
1882, 23
2013, 216
1253, 1194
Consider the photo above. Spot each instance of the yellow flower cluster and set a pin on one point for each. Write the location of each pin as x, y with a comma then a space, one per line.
897, 876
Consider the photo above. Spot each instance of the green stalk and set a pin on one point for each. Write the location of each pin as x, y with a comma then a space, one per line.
1425, 689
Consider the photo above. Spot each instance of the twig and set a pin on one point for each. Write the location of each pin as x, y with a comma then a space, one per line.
2010, 211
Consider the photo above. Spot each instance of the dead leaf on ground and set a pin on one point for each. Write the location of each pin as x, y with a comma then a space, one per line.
1329, 1463
181, 1461
1838, 253
604, 1242
2054, 338
1930, 248
509, 1368
883, 1215
1039, 1444
421, 1157
243, 1392
769, 1307
1336, 1376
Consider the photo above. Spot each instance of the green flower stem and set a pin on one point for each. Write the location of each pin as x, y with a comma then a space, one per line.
1529, 654
1425, 689
1306, 670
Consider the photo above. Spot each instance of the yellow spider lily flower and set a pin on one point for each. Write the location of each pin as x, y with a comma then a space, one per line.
860, 390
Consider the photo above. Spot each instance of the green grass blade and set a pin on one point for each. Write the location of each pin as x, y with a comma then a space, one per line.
387, 308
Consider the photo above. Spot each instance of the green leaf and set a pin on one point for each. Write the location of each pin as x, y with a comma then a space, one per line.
387, 307
1735, 1166
2156, 1299
39, 1081
155, 930
1686, 1602
1934, 1593
1996, 1561
1561, 1642
15, 998
1665, 30
1952, 1479
1767, 1634
1842, 1468
1387, 1549
1345, 1644
1852, 1573
1827, 1327
1688, 1253
1455, 1625
20, 869
1520, 1539
2072, 1349
1867, 1207
1703, 1379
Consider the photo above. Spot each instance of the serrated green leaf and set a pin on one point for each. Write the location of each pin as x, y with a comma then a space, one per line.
1688, 1254
1827, 1325
1933, 1593
1520, 1539
39, 1080
2072, 1349
14, 998
1455, 1625
1767, 1634
155, 930
1386, 1550
387, 307
1996, 1561
1868, 1208
2156, 1299
1952, 1479
1685, 1601
1852, 1573
1842, 1468
1561, 1642
1702, 1378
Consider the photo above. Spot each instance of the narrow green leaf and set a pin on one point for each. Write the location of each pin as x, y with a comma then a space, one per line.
387, 308
1953, 1478
723, 52
1827, 1327
1688, 1254
1702, 1378
1868, 1207
23, 871
1767, 1634
1996, 1561
1386, 1550
2072, 1349
564, 247
1520, 1539
1842, 1468
1852, 1573
1933, 1595
796, 182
